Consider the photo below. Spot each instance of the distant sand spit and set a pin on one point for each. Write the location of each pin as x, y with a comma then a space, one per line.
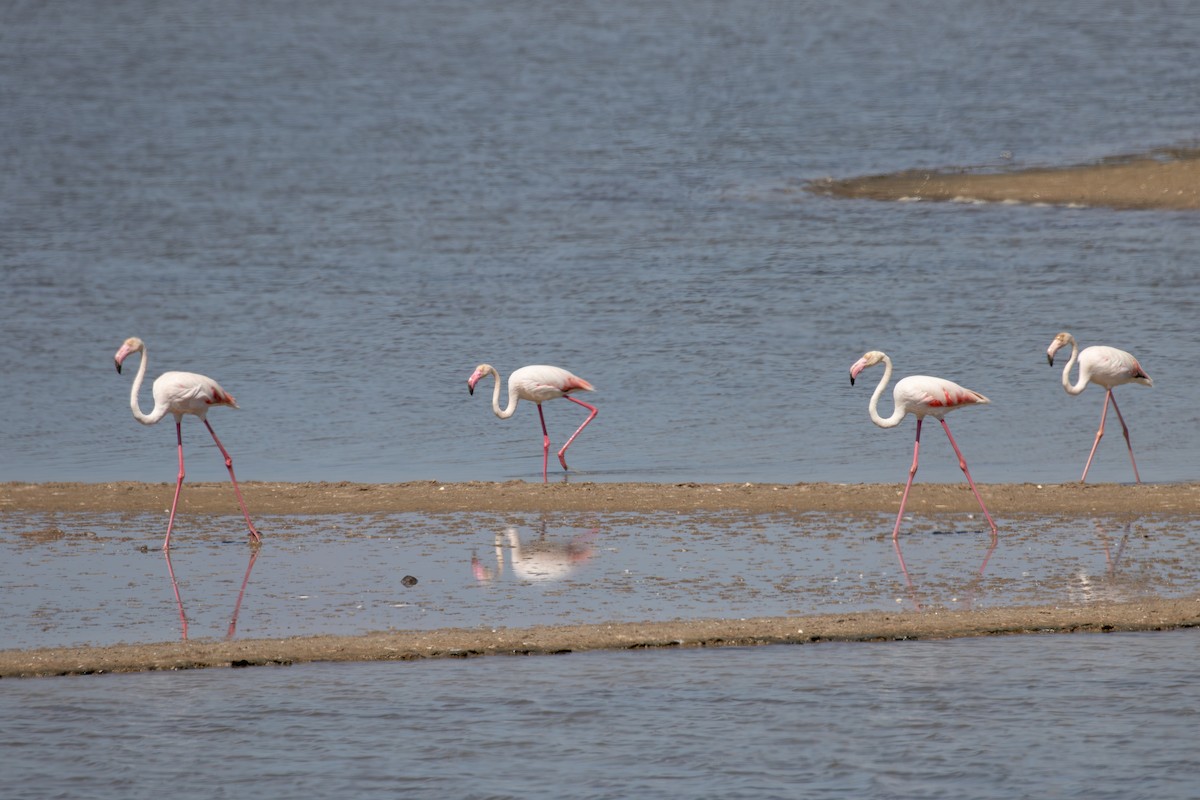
1162, 179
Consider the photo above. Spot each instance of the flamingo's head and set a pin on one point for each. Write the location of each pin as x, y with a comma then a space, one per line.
869, 359
131, 345
1060, 341
477, 375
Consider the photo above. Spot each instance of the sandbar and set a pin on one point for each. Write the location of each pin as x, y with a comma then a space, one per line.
1119, 500
1149, 615
1165, 179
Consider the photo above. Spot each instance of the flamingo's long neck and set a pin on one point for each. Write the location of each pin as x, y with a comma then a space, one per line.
1080, 384
159, 411
504, 413
873, 408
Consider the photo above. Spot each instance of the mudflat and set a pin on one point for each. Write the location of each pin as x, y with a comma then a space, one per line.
263, 498
521, 496
552, 640
1161, 179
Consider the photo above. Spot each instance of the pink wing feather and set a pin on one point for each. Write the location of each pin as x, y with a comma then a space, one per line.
926, 395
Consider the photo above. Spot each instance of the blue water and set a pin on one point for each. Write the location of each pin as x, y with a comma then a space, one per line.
338, 209
1101, 716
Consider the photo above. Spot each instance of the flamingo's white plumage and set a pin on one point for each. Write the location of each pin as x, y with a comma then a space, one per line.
921, 396
180, 393
1104, 366
537, 383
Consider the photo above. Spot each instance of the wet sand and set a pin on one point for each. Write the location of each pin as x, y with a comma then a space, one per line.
758, 498
465, 643
1161, 179
1110, 500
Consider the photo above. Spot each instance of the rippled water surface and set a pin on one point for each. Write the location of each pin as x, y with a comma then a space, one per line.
338, 209
1103, 716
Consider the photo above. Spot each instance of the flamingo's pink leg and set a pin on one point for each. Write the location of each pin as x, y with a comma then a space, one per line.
962, 463
228, 465
178, 483
562, 458
1108, 395
237, 606
912, 471
545, 443
178, 599
1125, 430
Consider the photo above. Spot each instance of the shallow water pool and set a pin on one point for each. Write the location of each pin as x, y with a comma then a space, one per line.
96, 579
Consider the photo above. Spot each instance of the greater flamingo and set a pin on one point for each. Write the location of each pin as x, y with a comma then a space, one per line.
181, 393
920, 395
537, 383
1103, 366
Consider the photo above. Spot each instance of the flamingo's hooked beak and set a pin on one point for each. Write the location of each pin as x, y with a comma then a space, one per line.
1054, 347
121, 355
856, 368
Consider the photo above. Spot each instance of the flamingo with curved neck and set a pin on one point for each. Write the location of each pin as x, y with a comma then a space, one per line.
922, 396
180, 393
1103, 366
536, 383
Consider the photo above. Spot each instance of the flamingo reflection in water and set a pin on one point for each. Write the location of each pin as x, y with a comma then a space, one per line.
237, 606
540, 560
1087, 587
968, 591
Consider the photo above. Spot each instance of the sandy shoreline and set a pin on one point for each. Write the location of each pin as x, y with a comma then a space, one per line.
1162, 179
1152, 615
431, 497
520, 496
1112, 500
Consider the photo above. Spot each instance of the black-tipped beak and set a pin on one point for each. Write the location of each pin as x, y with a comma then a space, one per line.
118, 365
851, 380
1049, 359
470, 389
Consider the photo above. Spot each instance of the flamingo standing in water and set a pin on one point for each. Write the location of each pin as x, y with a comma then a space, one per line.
1103, 366
537, 383
181, 393
920, 395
